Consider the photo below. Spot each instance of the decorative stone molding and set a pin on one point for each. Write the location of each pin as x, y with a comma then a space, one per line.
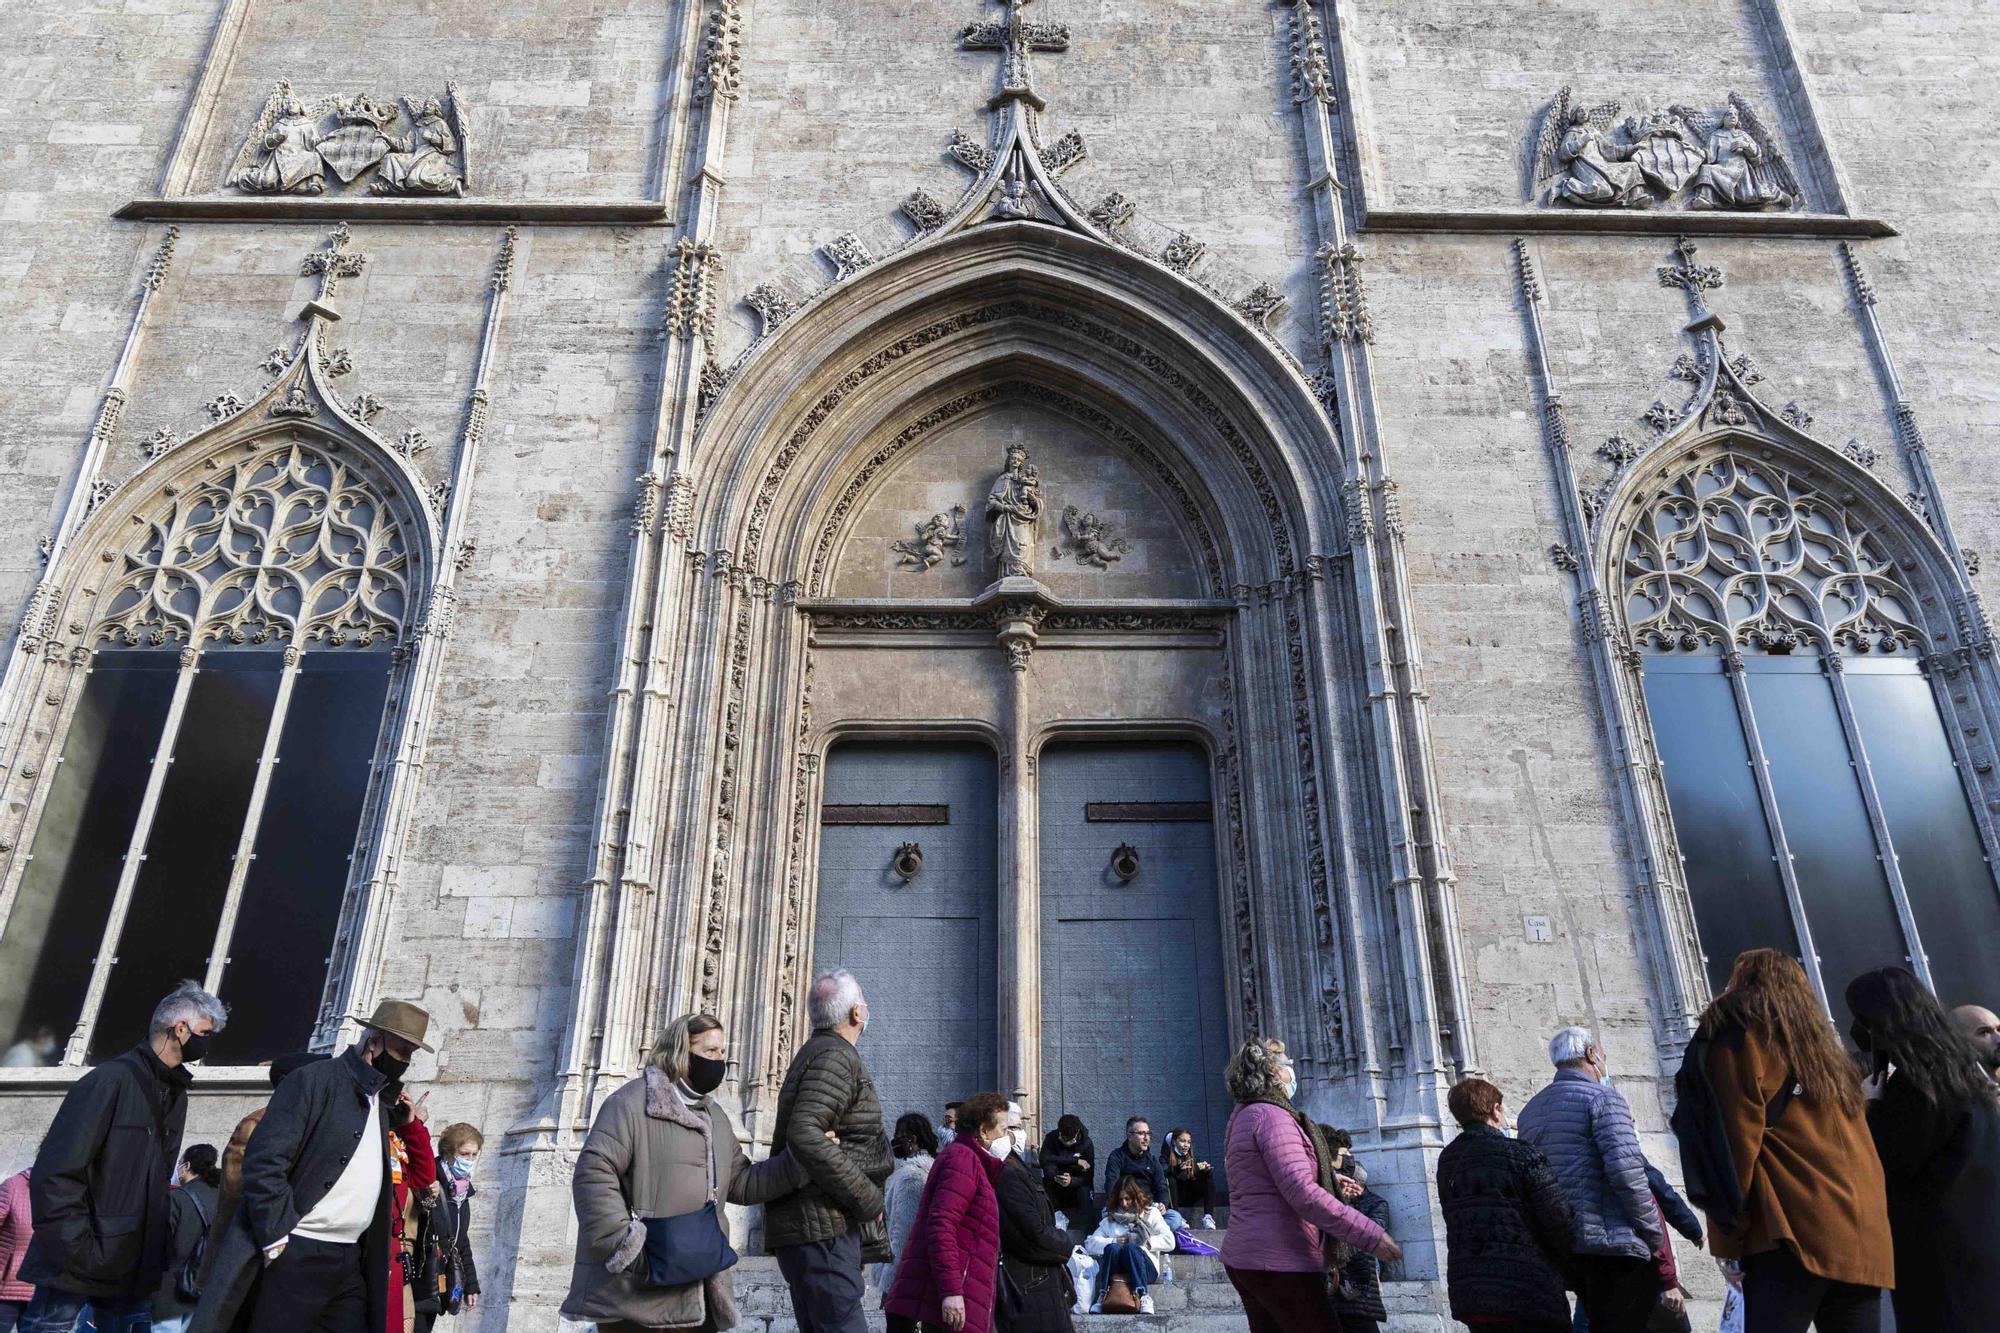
364, 407
970, 153
1796, 415
1726, 160
646, 507
1312, 75
721, 67
1064, 153
1860, 453
1263, 304
1343, 300
923, 210
691, 304
410, 147
223, 406
772, 305
1182, 253
848, 253
161, 442
1111, 212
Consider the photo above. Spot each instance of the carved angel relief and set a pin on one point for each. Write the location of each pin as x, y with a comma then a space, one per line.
410, 147
936, 535
1585, 157
1091, 539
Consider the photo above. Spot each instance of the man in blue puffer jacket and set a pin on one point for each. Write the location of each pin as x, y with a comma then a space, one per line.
1585, 1130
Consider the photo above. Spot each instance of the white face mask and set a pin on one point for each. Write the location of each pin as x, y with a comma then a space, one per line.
1291, 1084
1019, 1138
1001, 1146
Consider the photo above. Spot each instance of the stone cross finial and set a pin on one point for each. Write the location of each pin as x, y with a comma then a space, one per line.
333, 263
1015, 37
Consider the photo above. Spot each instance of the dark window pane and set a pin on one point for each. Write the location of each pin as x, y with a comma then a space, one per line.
170, 924
1739, 899
65, 894
1944, 868
1848, 907
291, 901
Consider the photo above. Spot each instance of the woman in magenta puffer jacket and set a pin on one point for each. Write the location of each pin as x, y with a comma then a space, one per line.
1281, 1206
947, 1272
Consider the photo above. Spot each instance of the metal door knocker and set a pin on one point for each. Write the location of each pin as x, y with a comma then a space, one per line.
1125, 863
909, 861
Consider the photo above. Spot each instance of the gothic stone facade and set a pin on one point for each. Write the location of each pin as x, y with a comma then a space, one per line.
677, 392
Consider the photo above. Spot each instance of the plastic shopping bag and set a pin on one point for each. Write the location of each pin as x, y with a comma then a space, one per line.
1732, 1312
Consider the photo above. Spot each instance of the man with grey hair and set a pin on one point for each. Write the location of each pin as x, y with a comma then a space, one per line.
1585, 1130
99, 1184
830, 1117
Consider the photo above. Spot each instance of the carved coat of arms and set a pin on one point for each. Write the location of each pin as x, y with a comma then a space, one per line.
1585, 157
405, 146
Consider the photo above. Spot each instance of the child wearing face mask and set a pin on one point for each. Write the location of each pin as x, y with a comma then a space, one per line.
449, 1281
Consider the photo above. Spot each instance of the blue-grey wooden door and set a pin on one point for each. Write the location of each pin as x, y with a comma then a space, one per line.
1133, 1017
925, 952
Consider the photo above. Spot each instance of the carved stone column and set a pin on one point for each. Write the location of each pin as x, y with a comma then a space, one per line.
1020, 907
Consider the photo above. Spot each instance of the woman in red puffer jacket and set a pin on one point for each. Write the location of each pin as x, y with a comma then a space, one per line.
946, 1276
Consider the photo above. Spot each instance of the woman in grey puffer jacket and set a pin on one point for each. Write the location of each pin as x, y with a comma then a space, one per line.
915, 1145
649, 1153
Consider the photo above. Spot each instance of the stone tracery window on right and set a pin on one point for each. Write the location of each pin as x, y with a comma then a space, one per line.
1816, 796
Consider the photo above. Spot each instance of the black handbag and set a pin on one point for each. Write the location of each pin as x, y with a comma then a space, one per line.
187, 1279
689, 1247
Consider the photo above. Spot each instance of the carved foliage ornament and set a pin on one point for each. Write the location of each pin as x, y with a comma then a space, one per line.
285, 545
404, 145
1744, 552
1586, 157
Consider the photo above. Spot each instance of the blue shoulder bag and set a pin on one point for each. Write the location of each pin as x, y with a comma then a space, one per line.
690, 1247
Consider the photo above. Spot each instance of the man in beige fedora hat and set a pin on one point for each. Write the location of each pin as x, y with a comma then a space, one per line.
308, 1250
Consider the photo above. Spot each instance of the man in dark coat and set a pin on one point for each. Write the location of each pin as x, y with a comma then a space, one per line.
99, 1184
830, 1117
1135, 1157
1034, 1254
308, 1248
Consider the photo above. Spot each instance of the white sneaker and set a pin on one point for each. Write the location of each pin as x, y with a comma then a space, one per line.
1208, 1221
1097, 1307
1146, 1304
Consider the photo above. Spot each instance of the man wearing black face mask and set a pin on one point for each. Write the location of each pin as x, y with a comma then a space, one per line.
308, 1249
99, 1184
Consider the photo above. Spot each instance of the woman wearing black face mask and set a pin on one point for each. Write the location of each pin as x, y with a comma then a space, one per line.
1937, 1130
662, 1148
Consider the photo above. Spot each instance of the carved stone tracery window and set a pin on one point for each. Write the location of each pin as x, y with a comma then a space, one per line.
285, 546
245, 638
1776, 624
1751, 553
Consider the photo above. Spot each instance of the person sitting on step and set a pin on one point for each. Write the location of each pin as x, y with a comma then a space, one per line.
1131, 1232
1190, 1181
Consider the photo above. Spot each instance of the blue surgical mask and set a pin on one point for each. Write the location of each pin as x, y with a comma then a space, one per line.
460, 1168
1291, 1084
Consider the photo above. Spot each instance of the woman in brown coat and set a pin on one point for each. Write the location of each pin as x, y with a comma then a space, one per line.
1813, 1243
661, 1147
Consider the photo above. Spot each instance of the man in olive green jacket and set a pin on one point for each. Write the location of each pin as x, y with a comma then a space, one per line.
831, 1119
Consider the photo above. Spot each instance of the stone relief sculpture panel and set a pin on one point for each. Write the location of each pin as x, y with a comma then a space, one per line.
403, 145
1586, 157
1066, 507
